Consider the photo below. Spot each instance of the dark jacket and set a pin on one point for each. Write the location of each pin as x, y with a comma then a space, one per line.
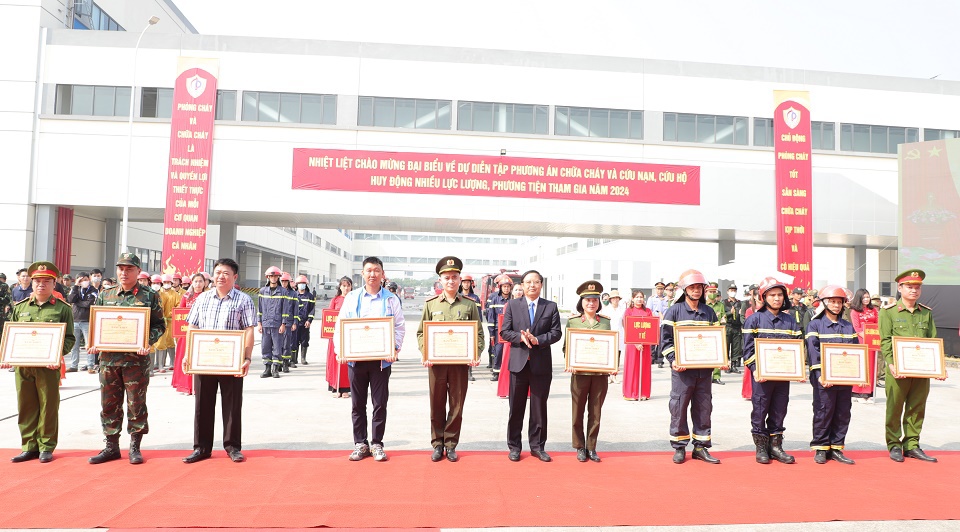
81, 300
546, 327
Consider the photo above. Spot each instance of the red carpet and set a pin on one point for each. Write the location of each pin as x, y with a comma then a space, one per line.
302, 489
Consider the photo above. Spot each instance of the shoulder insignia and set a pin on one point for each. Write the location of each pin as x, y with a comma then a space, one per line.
890, 305
574, 316
432, 298
25, 300
602, 316
924, 306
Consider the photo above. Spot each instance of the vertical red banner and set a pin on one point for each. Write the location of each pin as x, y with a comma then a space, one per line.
188, 178
792, 147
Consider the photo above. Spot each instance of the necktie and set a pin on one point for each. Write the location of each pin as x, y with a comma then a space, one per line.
531, 314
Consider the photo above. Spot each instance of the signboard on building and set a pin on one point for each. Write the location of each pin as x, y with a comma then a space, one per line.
794, 177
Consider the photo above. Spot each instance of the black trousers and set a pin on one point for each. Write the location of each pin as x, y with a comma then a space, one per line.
364, 375
231, 405
831, 414
539, 387
691, 389
734, 344
770, 400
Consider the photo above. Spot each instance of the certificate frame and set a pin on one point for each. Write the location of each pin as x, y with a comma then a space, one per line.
351, 327
433, 331
833, 357
766, 349
39, 333
99, 316
199, 363
925, 361
686, 350
577, 362
636, 326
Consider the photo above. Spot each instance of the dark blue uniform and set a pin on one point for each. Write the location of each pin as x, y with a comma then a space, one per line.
831, 406
769, 398
495, 304
305, 303
690, 388
273, 310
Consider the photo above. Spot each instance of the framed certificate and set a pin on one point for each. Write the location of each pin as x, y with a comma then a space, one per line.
328, 322
871, 337
211, 352
32, 344
918, 357
119, 329
178, 323
845, 364
590, 350
780, 360
500, 329
366, 339
450, 342
700, 346
640, 330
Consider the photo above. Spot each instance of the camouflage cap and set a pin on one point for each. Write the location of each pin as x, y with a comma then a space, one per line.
129, 259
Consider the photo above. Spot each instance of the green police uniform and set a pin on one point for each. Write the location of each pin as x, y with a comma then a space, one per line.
906, 397
128, 372
38, 388
588, 390
717, 307
448, 380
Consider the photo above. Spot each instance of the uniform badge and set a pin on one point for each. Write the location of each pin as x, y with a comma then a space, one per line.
43, 268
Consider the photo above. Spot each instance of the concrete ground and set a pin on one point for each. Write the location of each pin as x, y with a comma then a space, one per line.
297, 412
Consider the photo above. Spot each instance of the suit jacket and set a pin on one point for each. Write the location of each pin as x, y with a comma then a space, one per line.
546, 327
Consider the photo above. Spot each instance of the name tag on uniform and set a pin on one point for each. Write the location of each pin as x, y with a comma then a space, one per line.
437, 316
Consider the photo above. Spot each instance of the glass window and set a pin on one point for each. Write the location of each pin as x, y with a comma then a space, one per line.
619, 124
286, 107
383, 112
443, 115
365, 112
330, 109
104, 101
823, 136
226, 105
523, 119
561, 125
311, 109
740, 131
82, 100
465, 116
542, 124
636, 124
289, 110
406, 113
579, 122
861, 138
600, 123
763, 132
249, 111
483, 117
156, 102
913, 135
939, 134
670, 126
896, 137
95, 17
268, 109
686, 127
878, 139
724, 130
401, 112
706, 128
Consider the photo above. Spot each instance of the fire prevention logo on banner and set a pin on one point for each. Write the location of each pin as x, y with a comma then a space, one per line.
791, 117
196, 85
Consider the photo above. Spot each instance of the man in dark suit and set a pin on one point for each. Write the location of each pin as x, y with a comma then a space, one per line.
531, 324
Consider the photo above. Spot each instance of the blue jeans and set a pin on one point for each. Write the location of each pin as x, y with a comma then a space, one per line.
82, 331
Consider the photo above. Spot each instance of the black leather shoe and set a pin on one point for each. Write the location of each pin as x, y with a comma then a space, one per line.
837, 454
452, 455
196, 456
514, 456
733, 369
820, 456
659, 364
918, 454
581, 455
236, 455
896, 454
593, 456
720, 382
46, 456
25, 455
437, 454
701, 453
495, 377
679, 456
542, 455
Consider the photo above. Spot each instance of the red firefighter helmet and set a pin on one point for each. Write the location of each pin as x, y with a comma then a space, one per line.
166, 278
466, 278
690, 278
302, 279
272, 270
206, 276
284, 276
156, 279
185, 278
832, 290
769, 283
143, 275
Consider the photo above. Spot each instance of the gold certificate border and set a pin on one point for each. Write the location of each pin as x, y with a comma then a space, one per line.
345, 324
828, 351
680, 331
8, 356
569, 360
795, 346
137, 313
901, 342
430, 327
236, 366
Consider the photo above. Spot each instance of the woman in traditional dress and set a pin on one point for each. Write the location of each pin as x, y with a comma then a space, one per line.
863, 313
180, 380
338, 380
638, 358
503, 381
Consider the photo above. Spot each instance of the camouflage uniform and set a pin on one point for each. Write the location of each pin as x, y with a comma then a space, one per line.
127, 372
4, 300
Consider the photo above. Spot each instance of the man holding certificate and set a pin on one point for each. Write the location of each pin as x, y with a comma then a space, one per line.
831, 403
223, 309
125, 372
38, 388
449, 380
588, 390
769, 398
906, 396
373, 376
689, 387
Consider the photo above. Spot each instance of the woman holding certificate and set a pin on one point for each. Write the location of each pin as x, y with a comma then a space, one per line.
831, 402
181, 381
637, 358
864, 314
503, 379
338, 379
769, 397
691, 388
587, 389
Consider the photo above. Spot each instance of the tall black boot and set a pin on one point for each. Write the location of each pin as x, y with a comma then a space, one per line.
286, 366
266, 369
109, 453
135, 456
303, 355
762, 441
776, 450
275, 370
